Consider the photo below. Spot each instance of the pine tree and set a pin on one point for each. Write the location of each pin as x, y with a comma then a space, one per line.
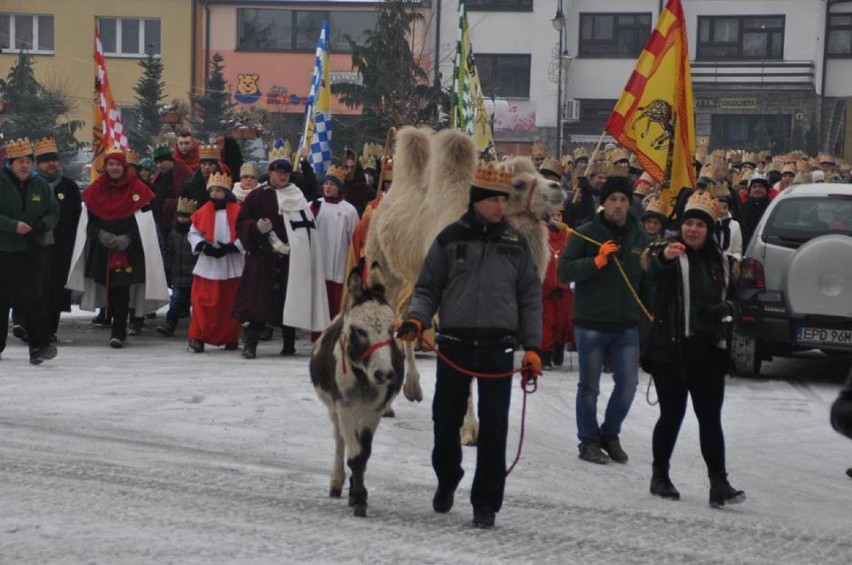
149, 93
36, 111
395, 88
214, 107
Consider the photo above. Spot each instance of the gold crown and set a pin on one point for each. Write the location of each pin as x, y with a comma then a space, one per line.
552, 166
619, 168
705, 202
826, 158
789, 168
186, 206
283, 152
45, 145
719, 190
132, 157
210, 152
368, 161
539, 148
18, 148
790, 157
750, 159
493, 176
619, 155
337, 172
222, 180
805, 164
735, 156
654, 205
580, 152
249, 169
707, 171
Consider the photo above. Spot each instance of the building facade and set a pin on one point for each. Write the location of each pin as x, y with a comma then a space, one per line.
60, 35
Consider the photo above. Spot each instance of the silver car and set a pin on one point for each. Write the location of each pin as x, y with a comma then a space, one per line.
795, 286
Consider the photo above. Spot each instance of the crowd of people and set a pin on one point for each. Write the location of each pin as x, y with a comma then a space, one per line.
240, 252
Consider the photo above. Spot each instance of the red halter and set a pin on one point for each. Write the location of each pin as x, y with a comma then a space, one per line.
370, 350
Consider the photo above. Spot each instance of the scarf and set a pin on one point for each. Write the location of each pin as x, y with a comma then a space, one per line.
112, 200
54, 179
204, 219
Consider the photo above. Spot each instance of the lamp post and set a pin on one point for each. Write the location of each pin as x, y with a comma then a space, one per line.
559, 25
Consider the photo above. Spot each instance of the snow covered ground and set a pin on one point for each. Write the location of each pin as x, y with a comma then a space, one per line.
152, 454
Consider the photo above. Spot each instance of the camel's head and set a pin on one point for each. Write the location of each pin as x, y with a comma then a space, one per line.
532, 194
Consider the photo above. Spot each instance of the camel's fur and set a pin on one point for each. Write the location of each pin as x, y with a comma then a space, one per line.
433, 173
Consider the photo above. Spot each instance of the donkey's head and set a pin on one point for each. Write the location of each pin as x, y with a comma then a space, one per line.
532, 194
367, 330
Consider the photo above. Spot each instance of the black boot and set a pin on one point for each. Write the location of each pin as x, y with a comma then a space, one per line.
289, 341
558, 354
250, 346
661, 485
722, 493
547, 360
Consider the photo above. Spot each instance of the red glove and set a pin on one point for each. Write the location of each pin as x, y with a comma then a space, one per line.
410, 329
607, 249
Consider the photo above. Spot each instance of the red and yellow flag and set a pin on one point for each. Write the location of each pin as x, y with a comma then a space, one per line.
655, 118
107, 130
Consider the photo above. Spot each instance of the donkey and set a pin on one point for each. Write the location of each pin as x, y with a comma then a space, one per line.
357, 370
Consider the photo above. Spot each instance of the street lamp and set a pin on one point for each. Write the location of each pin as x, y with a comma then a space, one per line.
559, 25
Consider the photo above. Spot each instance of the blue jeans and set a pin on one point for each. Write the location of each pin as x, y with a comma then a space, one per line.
179, 304
622, 350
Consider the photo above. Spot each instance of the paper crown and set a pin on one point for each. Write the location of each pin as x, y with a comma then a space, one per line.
116, 152
750, 159
45, 145
387, 169
735, 157
619, 155
826, 158
160, 151
221, 180
789, 168
567, 163
654, 205
18, 148
369, 162
644, 185
620, 168
186, 206
280, 150
539, 148
371, 155
551, 166
703, 201
132, 157
249, 170
337, 172
493, 176
580, 153
707, 171
209, 152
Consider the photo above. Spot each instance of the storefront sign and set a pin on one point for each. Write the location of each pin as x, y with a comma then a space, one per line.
705, 102
738, 103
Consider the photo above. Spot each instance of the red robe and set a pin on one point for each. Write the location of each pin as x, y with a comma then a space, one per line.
557, 298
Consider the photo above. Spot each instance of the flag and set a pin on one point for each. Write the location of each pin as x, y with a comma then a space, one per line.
655, 118
317, 134
107, 131
467, 111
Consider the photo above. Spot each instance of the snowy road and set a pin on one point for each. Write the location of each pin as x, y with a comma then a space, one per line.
155, 455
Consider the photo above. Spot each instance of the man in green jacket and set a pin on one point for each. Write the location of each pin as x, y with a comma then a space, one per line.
606, 315
28, 213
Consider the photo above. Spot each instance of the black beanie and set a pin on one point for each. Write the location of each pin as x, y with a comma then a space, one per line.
477, 193
616, 184
46, 157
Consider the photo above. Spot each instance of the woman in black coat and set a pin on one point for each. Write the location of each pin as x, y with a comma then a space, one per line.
686, 353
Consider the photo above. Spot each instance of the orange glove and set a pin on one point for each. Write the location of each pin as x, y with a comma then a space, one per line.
607, 249
410, 329
531, 362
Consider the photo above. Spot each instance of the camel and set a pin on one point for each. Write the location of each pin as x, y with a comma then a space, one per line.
433, 173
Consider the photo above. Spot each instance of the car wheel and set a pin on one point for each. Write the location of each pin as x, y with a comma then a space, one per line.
745, 356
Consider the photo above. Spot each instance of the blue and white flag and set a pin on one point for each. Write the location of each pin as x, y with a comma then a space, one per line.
318, 115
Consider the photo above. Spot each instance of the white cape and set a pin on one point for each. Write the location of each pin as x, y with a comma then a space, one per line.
145, 298
306, 302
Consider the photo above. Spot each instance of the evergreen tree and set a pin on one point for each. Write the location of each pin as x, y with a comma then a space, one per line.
35, 111
145, 128
395, 89
214, 107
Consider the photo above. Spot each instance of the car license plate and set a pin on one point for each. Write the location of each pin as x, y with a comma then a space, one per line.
824, 336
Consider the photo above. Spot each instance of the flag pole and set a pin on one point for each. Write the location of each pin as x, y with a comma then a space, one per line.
597, 148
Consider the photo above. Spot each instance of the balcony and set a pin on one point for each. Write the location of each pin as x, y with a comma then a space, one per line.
754, 75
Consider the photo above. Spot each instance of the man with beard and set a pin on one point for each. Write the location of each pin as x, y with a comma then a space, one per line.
186, 150
58, 255
357, 191
196, 187
283, 283
167, 185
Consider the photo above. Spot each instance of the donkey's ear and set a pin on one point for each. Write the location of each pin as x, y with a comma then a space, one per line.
376, 279
355, 284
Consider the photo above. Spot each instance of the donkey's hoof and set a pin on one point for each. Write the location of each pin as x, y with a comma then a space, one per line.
360, 510
389, 413
335, 492
469, 436
413, 393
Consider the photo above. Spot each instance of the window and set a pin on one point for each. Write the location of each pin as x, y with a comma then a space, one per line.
614, 35
798, 220
500, 5
840, 35
759, 130
740, 37
505, 76
130, 37
298, 30
29, 32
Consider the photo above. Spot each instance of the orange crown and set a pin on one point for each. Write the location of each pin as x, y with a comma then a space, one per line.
220, 180
45, 145
18, 148
210, 152
337, 172
493, 176
704, 201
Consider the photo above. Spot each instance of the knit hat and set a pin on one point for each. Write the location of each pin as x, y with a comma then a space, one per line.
45, 150
147, 164
702, 205
281, 165
616, 184
759, 179
249, 170
817, 176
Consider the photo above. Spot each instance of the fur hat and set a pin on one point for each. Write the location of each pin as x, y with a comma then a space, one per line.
702, 205
18, 148
616, 184
249, 169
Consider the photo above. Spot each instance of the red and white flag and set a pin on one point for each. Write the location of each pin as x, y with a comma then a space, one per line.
107, 130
